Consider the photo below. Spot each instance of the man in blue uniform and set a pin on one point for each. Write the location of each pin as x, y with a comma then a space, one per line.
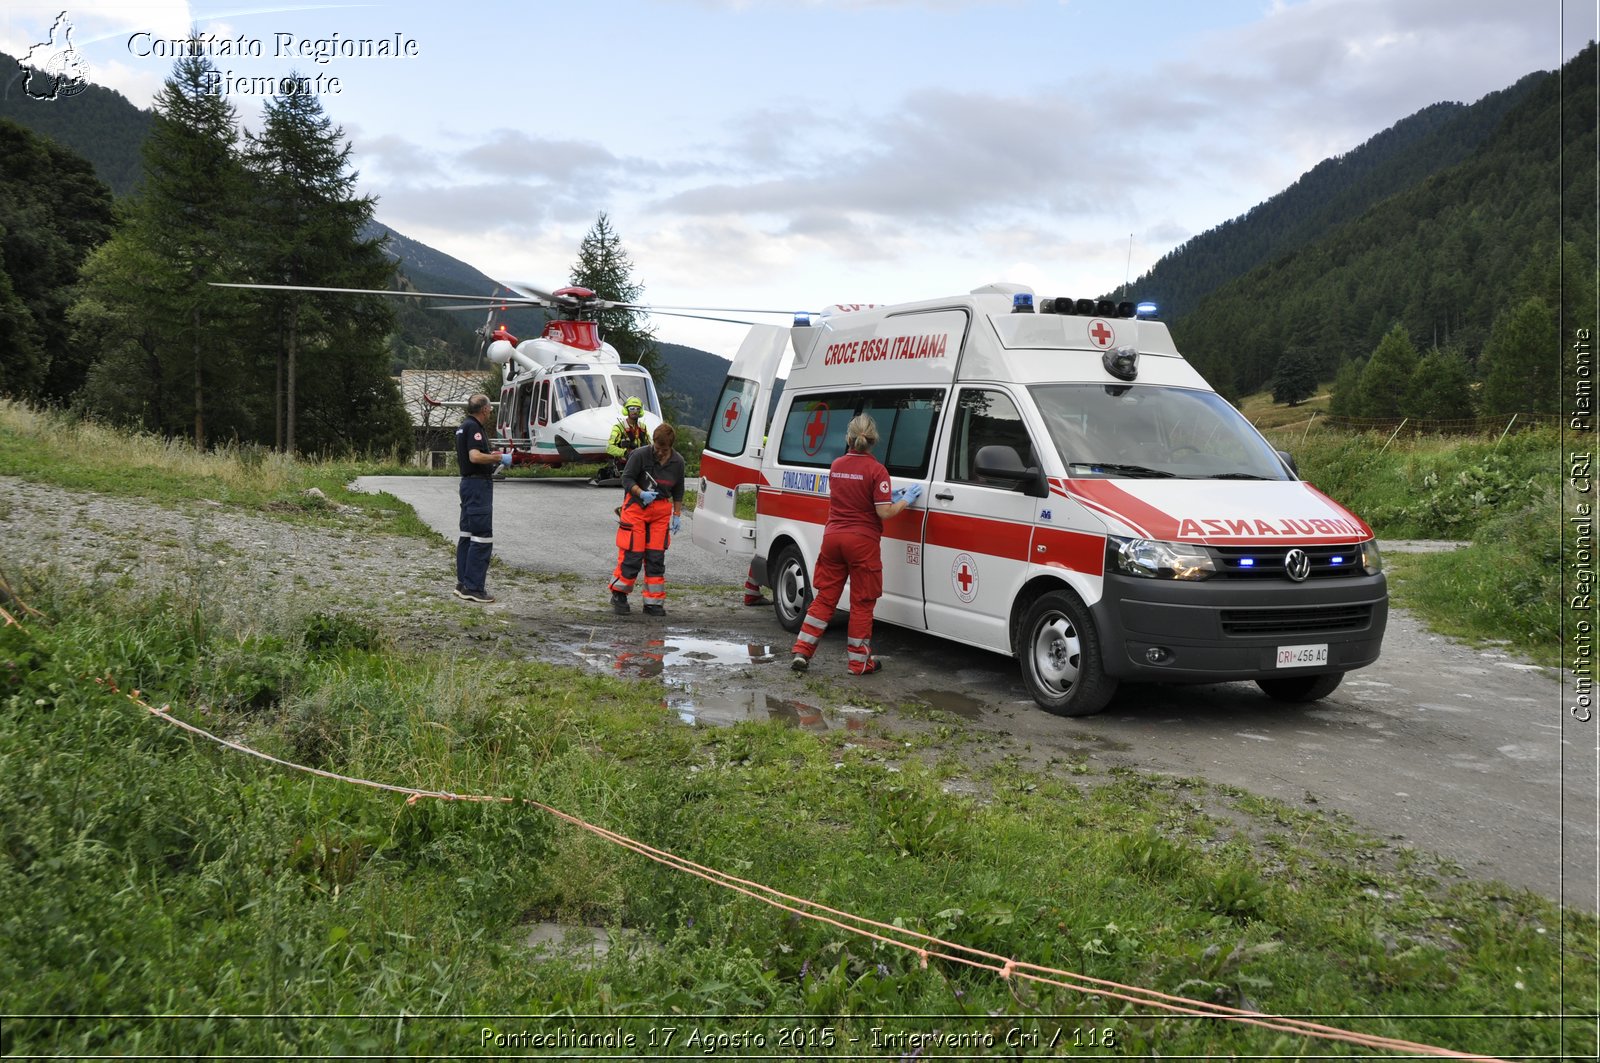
477, 461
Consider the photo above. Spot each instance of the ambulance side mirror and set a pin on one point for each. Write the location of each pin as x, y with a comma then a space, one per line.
1002, 463
1288, 460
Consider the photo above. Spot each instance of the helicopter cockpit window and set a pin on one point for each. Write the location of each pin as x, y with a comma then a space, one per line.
636, 383
580, 392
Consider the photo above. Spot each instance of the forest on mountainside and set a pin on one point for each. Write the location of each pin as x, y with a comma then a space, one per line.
100, 125
1328, 195
1446, 259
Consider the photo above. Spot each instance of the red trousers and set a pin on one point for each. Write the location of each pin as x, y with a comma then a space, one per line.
852, 555
643, 533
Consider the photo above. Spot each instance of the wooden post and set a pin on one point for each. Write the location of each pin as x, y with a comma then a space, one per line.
1506, 432
1396, 432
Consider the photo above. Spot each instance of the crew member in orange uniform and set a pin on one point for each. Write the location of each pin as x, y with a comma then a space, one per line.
652, 482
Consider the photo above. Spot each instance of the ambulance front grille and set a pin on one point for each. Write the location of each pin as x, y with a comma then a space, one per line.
1254, 562
1311, 620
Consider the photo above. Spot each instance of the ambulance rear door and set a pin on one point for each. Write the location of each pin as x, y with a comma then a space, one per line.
730, 468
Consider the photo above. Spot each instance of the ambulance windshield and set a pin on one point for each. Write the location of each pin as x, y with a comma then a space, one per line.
1148, 431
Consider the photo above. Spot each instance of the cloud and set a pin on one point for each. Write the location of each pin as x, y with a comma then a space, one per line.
511, 153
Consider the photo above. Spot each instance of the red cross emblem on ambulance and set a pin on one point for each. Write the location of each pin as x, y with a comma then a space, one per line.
1101, 334
816, 429
730, 415
964, 577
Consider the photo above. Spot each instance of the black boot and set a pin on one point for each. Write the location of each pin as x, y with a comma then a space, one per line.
619, 604
654, 609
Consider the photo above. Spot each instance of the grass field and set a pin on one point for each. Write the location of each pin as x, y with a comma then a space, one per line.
267, 912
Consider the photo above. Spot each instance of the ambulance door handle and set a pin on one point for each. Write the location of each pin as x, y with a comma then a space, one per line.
946, 496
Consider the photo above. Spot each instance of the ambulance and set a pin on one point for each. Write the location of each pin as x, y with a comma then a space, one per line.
1090, 505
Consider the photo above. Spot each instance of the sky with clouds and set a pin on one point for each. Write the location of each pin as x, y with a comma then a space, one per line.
795, 153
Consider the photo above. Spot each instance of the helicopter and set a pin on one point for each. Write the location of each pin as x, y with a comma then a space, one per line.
561, 391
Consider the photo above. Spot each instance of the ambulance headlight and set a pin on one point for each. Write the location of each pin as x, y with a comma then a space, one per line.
1371, 560
1152, 559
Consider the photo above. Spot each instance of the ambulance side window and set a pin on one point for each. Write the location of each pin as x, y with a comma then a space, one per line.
814, 430
986, 418
906, 424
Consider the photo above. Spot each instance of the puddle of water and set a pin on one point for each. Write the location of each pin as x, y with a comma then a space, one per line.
658, 658
686, 667
952, 701
731, 707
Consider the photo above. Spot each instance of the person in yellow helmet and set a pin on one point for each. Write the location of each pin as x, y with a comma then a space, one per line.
627, 435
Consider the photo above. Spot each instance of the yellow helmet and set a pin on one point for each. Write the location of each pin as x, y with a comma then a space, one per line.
633, 403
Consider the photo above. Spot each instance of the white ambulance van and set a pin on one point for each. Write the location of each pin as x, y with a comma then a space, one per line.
1090, 505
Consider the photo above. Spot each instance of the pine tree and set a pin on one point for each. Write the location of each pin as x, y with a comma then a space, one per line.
182, 233
53, 212
1295, 379
1345, 400
604, 268
1386, 380
1441, 388
306, 229
1520, 361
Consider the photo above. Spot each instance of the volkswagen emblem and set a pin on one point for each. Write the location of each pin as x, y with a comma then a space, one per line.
1297, 565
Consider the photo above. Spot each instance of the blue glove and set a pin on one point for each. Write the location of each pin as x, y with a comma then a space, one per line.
505, 458
646, 497
913, 492
897, 495
677, 522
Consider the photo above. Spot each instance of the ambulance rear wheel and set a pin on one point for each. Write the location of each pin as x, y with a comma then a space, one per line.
791, 589
1300, 688
1060, 653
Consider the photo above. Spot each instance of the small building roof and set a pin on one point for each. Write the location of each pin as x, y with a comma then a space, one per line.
442, 385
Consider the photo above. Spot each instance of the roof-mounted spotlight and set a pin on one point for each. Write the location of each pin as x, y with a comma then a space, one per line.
1105, 308
1049, 306
1084, 307
1124, 309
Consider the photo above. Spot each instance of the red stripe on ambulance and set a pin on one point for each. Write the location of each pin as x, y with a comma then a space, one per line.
725, 473
1058, 548
980, 535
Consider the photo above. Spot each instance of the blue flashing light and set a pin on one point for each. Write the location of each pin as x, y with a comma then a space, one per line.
802, 320
1247, 562
1145, 310
1022, 303
1337, 559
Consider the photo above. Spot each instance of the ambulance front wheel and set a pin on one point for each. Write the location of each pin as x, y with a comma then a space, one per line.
791, 589
1060, 653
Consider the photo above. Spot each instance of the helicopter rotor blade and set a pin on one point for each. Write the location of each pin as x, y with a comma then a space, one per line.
649, 309
484, 306
518, 299
700, 317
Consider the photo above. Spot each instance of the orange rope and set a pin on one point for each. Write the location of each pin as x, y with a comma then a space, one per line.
934, 947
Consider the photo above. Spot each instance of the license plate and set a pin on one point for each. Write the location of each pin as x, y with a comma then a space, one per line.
1302, 656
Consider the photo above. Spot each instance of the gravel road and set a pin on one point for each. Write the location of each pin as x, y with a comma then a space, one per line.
1450, 750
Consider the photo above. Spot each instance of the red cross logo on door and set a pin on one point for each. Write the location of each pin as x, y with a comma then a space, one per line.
1100, 334
964, 577
730, 415
816, 429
